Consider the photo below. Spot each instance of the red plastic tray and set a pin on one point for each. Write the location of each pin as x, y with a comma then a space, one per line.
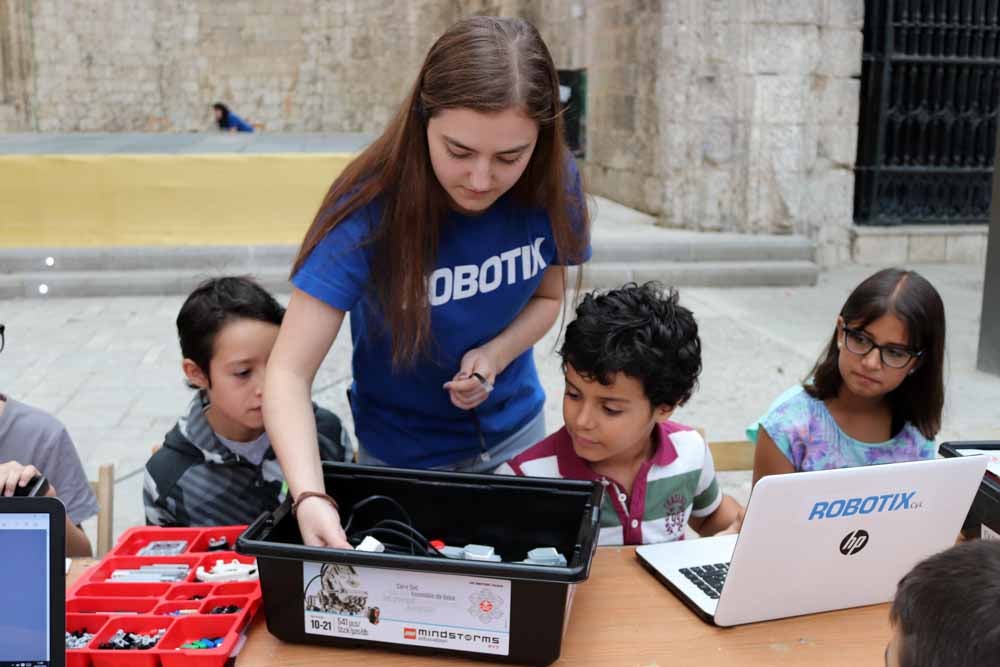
101, 606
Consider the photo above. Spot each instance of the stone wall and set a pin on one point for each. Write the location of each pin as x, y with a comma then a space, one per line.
729, 115
735, 115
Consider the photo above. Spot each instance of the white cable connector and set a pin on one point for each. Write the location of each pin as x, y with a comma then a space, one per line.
370, 544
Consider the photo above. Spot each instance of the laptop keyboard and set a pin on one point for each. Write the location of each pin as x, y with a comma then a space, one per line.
709, 578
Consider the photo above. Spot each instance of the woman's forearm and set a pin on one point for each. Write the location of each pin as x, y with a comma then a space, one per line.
307, 332
532, 323
291, 426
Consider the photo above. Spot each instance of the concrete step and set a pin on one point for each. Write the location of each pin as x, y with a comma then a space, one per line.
143, 282
159, 282
703, 274
655, 245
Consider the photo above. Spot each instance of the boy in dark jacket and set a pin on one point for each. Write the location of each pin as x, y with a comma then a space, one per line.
216, 466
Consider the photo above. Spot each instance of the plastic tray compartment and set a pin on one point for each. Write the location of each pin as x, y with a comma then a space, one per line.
251, 588
91, 623
167, 608
507, 612
189, 591
200, 545
985, 510
129, 658
135, 539
118, 590
110, 606
102, 572
208, 561
185, 630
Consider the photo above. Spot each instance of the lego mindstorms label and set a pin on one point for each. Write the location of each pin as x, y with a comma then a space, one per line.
445, 611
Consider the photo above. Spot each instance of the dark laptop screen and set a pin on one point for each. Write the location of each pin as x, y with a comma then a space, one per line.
24, 579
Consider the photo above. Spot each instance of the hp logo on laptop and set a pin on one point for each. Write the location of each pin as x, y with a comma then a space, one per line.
854, 542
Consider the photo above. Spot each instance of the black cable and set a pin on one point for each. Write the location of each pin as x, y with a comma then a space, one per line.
416, 533
370, 499
484, 453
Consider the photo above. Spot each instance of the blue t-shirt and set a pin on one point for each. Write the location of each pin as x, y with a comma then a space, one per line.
238, 123
488, 267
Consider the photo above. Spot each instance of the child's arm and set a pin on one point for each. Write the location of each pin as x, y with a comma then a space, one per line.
727, 517
768, 459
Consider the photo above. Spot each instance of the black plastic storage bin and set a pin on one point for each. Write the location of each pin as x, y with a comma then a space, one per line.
500, 611
985, 510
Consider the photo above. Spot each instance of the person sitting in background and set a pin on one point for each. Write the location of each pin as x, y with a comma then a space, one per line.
228, 121
32, 443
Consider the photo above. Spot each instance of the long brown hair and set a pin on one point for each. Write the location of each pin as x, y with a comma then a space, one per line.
908, 295
485, 64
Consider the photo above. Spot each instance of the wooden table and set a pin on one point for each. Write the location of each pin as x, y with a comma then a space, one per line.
623, 616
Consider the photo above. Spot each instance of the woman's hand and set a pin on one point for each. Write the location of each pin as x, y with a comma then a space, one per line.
465, 389
319, 524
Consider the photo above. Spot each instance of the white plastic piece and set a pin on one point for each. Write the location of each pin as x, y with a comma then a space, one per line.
480, 552
231, 571
370, 544
545, 556
453, 552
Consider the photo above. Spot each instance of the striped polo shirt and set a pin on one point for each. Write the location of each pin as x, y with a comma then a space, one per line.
676, 483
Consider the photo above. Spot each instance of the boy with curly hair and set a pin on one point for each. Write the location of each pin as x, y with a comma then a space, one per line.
630, 358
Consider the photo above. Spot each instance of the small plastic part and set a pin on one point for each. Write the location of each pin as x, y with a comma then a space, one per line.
129, 641
453, 552
480, 552
545, 556
370, 544
227, 609
204, 643
163, 548
231, 571
218, 543
78, 639
437, 544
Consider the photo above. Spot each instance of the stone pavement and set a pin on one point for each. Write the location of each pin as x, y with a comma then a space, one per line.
109, 368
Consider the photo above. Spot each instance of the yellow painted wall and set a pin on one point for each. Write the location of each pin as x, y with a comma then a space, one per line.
124, 200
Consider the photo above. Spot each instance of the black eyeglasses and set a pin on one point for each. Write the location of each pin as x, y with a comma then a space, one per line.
892, 356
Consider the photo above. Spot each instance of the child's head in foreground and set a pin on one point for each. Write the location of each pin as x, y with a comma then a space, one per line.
227, 327
631, 356
946, 609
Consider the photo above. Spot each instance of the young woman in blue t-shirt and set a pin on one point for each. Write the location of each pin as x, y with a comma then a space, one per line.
446, 240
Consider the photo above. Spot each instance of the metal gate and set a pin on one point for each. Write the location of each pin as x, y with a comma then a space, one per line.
930, 87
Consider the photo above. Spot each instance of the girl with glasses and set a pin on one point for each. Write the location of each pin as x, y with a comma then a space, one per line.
875, 395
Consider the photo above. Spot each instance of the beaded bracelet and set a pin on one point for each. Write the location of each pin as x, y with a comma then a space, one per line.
314, 494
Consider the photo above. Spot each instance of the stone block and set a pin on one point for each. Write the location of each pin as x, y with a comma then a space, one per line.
845, 13
879, 249
782, 147
840, 52
931, 248
837, 100
781, 99
966, 249
839, 144
719, 141
784, 49
829, 199
787, 11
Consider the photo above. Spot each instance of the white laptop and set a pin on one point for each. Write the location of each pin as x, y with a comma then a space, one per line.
818, 541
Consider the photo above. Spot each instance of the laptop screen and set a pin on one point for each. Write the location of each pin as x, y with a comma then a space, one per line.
24, 579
